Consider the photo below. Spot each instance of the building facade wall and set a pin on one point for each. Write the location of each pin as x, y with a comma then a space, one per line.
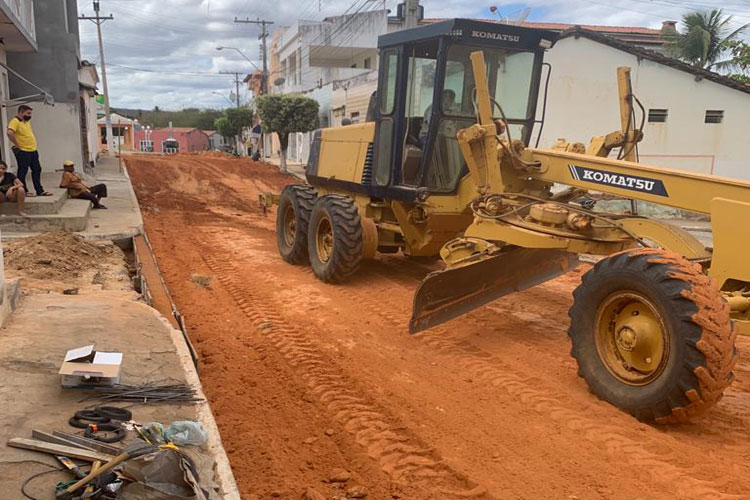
189, 140
583, 102
197, 141
5, 112
54, 67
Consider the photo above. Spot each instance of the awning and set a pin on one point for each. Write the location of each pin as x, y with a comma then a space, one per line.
42, 96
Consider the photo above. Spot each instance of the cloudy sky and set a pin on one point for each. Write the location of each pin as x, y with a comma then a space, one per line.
163, 52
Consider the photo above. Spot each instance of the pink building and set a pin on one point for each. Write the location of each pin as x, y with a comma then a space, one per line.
157, 140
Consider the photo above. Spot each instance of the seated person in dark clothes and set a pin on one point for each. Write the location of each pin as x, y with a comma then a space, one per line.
77, 189
11, 189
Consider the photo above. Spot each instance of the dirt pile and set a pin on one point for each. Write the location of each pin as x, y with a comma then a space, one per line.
55, 255
203, 183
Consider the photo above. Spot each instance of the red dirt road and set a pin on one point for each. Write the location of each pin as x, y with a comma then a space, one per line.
305, 378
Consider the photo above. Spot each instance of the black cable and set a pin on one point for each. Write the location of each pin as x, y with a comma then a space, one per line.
639, 131
91, 416
509, 149
114, 413
92, 431
503, 217
53, 468
31, 478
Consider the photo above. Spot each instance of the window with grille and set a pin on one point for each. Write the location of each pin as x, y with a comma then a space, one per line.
714, 116
657, 115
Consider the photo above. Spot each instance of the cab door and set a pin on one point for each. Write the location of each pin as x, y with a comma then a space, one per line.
387, 145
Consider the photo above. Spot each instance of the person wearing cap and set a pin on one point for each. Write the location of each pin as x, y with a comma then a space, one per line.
77, 189
11, 188
24, 149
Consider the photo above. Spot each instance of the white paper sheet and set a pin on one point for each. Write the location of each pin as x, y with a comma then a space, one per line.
108, 358
80, 352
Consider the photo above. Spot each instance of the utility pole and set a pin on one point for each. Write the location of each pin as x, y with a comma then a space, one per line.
99, 20
237, 138
263, 35
236, 84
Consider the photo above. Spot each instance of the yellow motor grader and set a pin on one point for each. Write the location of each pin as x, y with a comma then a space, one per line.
443, 167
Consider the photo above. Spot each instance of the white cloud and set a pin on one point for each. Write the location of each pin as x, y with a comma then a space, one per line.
176, 39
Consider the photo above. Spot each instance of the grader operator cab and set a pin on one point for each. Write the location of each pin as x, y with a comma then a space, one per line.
444, 167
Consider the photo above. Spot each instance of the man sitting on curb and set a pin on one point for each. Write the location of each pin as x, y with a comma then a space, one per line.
77, 189
11, 189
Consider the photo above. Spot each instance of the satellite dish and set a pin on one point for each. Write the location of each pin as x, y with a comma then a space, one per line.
514, 19
521, 17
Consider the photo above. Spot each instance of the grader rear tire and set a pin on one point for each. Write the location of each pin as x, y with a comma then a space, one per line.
652, 335
335, 241
292, 220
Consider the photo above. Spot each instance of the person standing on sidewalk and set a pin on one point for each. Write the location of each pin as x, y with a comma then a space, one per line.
24, 148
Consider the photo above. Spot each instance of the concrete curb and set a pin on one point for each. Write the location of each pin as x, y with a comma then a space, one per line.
224, 472
11, 299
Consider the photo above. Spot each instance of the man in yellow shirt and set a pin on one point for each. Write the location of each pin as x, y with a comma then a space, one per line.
24, 148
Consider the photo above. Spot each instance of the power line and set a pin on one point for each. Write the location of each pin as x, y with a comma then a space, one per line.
263, 35
161, 72
352, 32
331, 36
236, 84
99, 20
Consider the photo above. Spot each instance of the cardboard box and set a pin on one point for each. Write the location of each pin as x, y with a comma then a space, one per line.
84, 367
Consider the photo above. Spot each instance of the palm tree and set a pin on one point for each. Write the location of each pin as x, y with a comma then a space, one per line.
703, 40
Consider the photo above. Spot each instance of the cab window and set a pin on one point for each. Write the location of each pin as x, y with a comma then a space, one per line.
388, 99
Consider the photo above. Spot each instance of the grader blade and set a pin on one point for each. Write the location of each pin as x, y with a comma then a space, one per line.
444, 295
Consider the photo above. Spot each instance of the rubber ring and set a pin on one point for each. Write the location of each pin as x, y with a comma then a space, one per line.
92, 430
74, 422
114, 413
91, 416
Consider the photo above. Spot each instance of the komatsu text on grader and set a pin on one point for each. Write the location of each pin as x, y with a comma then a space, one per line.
443, 167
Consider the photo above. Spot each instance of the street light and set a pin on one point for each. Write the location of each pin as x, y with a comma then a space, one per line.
242, 54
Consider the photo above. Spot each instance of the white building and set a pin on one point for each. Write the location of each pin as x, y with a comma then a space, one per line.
695, 120
335, 62
215, 140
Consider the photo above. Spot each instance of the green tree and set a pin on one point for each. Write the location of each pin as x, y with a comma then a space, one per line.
232, 123
287, 114
740, 62
704, 38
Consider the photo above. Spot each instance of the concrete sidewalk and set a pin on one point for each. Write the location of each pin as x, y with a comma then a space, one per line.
32, 346
121, 220
47, 323
293, 168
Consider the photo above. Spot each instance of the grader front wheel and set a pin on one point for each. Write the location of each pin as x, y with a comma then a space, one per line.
652, 335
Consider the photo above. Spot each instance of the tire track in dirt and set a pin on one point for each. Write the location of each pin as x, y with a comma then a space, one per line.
403, 456
486, 367
491, 370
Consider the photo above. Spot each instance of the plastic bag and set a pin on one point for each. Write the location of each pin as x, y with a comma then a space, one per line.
185, 432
